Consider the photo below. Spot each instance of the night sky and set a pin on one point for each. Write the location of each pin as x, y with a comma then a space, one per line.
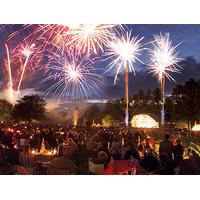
187, 35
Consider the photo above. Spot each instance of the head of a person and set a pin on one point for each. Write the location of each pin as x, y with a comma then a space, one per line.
140, 147
194, 153
105, 145
147, 144
167, 136
102, 156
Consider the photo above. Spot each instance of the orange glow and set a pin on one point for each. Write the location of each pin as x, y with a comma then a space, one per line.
196, 127
144, 121
33, 152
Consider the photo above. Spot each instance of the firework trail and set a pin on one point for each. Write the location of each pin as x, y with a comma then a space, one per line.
163, 61
10, 84
124, 52
26, 51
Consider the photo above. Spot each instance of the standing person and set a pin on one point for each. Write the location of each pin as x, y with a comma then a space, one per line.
26, 158
81, 157
166, 147
147, 148
115, 150
178, 152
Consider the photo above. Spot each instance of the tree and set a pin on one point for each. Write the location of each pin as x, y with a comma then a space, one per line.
115, 109
93, 113
30, 107
186, 102
5, 110
157, 96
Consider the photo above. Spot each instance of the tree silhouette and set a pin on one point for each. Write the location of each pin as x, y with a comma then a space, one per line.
5, 110
30, 107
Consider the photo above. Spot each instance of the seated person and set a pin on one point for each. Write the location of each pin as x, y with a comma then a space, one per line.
101, 158
62, 165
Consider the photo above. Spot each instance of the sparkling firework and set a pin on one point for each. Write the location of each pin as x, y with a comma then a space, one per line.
71, 78
79, 38
51, 34
125, 51
164, 60
88, 38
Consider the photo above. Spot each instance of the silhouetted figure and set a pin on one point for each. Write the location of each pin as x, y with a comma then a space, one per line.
132, 153
104, 148
178, 152
166, 147
166, 165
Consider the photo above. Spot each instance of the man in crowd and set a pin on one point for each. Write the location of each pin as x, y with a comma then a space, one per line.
166, 147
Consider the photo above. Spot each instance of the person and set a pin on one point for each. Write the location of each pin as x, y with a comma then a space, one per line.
61, 165
12, 156
27, 161
115, 151
150, 160
126, 147
166, 147
102, 158
140, 150
26, 158
147, 148
105, 149
72, 145
178, 152
166, 165
81, 156
188, 154
91, 144
132, 153
1, 157
189, 167
194, 155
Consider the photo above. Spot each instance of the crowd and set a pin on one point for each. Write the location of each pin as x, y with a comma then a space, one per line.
76, 146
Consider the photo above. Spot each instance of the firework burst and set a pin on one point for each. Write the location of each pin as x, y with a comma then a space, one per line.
89, 38
124, 52
71, 78
19, 60
164, 60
